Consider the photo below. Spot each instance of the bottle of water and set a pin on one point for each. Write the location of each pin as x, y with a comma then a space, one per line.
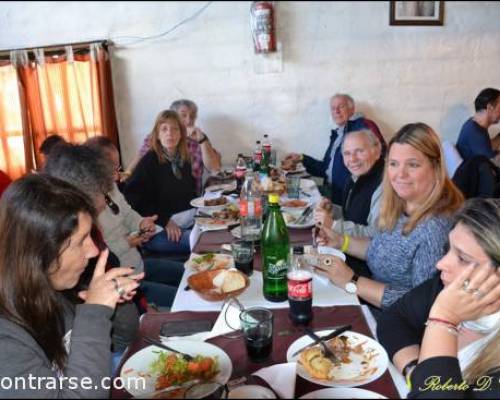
240, 171
251, 208
257, 156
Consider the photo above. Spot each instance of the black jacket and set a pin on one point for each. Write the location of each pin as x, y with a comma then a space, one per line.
402, 325
153, 188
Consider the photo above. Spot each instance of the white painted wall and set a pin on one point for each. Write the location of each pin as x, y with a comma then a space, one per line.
396, 74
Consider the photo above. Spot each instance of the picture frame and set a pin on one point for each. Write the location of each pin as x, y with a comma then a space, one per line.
416, 13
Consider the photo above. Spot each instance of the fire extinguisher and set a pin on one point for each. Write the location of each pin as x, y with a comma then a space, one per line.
262, 23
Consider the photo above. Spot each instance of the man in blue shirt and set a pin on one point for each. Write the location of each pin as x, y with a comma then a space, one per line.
474, 139
332, 166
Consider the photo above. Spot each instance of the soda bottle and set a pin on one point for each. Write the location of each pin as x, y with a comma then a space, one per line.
240, 171
251, 208
266, 156
257, 156
275, 245
299, 289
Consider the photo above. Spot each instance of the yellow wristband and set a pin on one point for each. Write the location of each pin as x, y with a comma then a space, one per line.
345, 244
301, 158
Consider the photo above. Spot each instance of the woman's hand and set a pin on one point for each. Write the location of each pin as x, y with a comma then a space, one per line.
195, 133
322, 217
174, 233
326, 236
148, 227
135, 240
473, 294
112, 287
338, 272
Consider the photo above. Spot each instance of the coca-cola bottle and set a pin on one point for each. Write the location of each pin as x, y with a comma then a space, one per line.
240, 171
275, 253
299, 289
251, 208
257, 156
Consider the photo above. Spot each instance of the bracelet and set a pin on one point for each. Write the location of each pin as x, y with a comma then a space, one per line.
345, 244
203, 140
443, 321
452, 329
301, 157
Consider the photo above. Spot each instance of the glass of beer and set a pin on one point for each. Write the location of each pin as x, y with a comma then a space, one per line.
257, 327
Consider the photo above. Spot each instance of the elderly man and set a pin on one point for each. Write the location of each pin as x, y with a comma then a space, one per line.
362, 192
332, 167
474, 139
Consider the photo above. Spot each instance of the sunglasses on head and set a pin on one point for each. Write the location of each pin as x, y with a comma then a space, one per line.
111, 204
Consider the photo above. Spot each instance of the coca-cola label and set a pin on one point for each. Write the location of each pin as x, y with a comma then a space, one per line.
300, 286
240, 172
267, 148
251, 208
258, 156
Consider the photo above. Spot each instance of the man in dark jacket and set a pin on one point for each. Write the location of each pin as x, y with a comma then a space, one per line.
332, 166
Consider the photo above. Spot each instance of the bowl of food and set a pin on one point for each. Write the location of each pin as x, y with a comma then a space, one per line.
218, 285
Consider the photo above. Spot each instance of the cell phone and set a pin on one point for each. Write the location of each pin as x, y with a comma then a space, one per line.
185, 328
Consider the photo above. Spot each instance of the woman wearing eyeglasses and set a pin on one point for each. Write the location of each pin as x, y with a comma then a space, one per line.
162, 183
444, 335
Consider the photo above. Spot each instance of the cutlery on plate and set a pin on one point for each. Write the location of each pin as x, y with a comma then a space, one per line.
152, 395
338, 331
157, 343
326, 351
305, 214
305, 194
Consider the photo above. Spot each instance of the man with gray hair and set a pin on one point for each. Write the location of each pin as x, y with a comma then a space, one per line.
362, 154
332, 167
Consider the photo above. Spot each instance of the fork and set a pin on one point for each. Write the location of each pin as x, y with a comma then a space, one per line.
326, 351
157, 343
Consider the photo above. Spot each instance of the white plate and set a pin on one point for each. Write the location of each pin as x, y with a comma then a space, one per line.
251, 392
220, 261
342, 393
285, 199
214, 224
354, 373
226, 187
308, 223
139, 365
199, 203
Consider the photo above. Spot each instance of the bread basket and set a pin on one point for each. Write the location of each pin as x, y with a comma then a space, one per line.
202, 284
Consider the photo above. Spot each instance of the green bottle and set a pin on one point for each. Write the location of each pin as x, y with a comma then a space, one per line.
275, 245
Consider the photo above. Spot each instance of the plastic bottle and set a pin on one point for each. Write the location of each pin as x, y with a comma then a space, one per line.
257, 156
251, 208
275, 245
240, 171
300, 292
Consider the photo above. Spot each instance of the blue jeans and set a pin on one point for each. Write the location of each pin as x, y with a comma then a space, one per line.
161, 280
160, 243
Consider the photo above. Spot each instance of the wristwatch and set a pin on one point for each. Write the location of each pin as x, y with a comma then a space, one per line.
352, 285
202, 140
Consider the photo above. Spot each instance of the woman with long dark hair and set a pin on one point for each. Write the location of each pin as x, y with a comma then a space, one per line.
45, 245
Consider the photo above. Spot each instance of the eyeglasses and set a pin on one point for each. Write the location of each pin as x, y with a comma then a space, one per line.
111, 204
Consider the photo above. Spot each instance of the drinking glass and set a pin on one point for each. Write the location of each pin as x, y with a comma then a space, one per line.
257, 327
243, 251
293, 186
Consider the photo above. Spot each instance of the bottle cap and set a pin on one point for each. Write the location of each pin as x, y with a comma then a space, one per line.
274, 198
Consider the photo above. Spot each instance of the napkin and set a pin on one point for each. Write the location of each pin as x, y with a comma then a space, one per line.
281, 377
229, 312
327, 250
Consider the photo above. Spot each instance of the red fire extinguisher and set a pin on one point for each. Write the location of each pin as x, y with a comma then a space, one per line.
263, 32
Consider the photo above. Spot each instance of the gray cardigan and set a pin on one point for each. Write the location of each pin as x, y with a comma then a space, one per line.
404, 262
89, 357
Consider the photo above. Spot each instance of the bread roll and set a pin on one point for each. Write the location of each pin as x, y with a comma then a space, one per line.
233, 280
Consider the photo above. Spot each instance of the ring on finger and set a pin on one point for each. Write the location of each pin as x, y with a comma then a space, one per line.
477, 293
121, 291
465, 286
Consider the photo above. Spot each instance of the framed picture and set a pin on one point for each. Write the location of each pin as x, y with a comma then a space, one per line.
416, 12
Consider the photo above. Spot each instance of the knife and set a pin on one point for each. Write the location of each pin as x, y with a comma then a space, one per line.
340, 330
157, 343
304, 215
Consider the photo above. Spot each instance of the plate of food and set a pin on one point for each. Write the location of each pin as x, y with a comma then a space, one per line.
294, 204
359, 360
218, 285
209, 261
342, 393
153, 368
217, 203
292, 218
292, 167
224, 187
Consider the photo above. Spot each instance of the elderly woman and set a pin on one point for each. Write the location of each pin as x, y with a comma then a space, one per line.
417, 203
162, 183
445, 334
87, 170
124, 230
200, 149
43, 335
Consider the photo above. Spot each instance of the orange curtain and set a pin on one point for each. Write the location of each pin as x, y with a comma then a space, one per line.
66, 94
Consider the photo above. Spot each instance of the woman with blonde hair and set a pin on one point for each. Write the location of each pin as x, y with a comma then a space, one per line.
415, 217
162, 183
444, 335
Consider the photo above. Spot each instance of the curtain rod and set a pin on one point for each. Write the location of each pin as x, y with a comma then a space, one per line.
57, 47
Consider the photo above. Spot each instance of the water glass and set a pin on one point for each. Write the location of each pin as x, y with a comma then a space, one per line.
257, 326
243, 251
293, 186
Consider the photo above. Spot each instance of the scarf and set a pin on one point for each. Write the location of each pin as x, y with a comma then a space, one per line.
176, 163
